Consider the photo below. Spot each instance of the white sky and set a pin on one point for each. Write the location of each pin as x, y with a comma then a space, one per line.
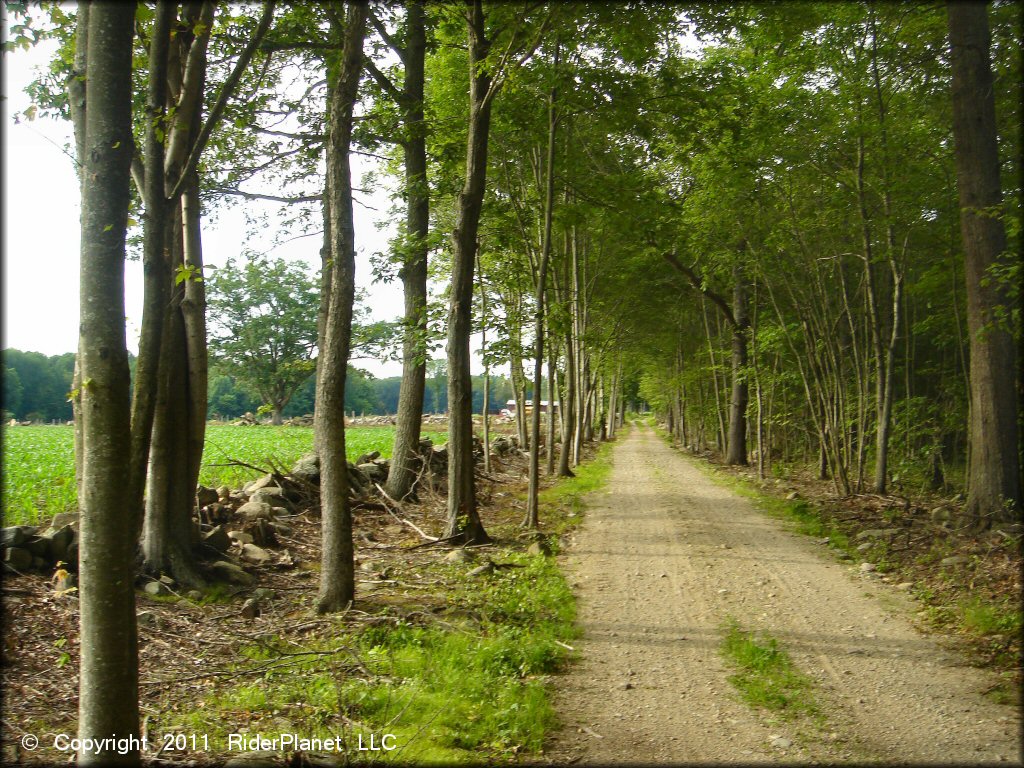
41, 233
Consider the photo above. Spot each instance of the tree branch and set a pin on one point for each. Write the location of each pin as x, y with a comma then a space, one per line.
222, 99
698, 283
382, 80
385, 36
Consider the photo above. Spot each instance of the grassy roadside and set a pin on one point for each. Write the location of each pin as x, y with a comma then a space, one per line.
967, 587
455, 666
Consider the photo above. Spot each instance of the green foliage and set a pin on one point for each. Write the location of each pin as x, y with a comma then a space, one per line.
450, 692
263, 325
765, 675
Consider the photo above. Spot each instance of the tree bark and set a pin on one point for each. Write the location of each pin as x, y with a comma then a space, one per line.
995, 493
463, 519
531, 519
737, 445
337, 570
405, 456
108, 677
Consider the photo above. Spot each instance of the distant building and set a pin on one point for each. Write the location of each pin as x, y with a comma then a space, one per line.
510, 406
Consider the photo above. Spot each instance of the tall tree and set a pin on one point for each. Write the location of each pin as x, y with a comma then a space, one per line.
337, 574
264, 327
413, 243
995, 482
108, 682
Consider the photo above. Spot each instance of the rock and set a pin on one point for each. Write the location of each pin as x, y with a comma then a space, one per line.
194, 595
483, 570
264, 593
792, 496
18, 559
272, 495
39, 546
282, 528
954, 560
627, 686
145, 618
373, 472
156, 589
206, 496
72, 555
231, 573
240, 537
868, 567
255, 555
264, 482
250, 609
366, 458
539, 548
459, 556
877, 533
64, 518
60, 541
16, 535
941, 515
905, 585
165, 579
781, 742
223, 493
865, 546
256, 510
501, 445
307, 469
217, 539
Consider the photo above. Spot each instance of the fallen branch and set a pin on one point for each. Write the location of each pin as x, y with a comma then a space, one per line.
383, 493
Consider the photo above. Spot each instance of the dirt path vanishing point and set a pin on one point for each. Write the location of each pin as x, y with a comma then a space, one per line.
665, 557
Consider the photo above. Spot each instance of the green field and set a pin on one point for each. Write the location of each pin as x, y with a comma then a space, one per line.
39, 462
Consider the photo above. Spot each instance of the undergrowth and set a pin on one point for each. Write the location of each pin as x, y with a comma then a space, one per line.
459, 677
765, 676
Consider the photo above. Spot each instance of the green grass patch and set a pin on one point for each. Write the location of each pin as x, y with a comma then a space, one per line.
451, 691
569, 492
765, 676
984, 617
39, 461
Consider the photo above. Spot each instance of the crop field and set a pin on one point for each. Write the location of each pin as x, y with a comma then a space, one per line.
39, 461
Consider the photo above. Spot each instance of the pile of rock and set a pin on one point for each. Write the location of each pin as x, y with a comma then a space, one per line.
26, 548
306, 420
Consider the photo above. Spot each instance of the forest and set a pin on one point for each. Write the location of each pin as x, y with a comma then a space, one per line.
787, 231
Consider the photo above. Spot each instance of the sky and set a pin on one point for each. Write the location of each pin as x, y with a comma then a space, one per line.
41, 233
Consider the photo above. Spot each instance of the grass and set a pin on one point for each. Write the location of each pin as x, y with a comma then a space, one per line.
39, 461
463, 682
467, 686
765, 676
567, 495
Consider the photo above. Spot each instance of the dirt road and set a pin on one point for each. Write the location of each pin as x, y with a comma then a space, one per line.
665, 557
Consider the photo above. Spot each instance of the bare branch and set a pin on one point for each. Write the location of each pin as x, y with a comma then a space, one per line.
222, 99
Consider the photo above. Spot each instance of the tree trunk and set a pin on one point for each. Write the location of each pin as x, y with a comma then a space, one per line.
169, 536
568, 410
405, 456
737, 445
108, 675
463, 519
531, 520
337, 569
994, 470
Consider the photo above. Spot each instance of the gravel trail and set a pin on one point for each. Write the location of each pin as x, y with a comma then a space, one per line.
665, 557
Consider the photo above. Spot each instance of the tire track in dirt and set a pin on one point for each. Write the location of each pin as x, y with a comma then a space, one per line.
665, 557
